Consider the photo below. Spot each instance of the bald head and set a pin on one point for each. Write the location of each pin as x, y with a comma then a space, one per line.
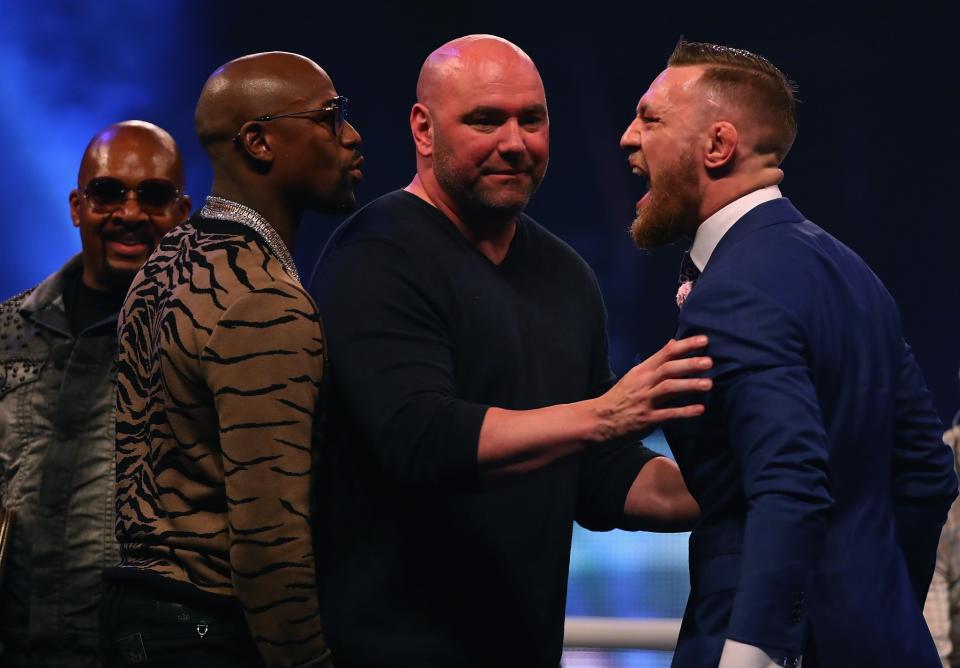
262, 83
135, 147
471, 58
481, 131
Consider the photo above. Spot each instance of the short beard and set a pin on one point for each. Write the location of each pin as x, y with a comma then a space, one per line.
478, 204
337, 202
672, 209
341, 202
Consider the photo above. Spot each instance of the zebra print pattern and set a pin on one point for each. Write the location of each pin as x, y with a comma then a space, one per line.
220, 362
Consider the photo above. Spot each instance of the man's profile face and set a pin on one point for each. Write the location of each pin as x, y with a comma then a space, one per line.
117, 238
318, 166
663, 145
491, 137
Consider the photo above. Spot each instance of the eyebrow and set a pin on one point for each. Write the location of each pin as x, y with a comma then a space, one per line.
499, 111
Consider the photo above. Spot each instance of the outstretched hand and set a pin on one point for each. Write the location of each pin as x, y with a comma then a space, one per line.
639, 400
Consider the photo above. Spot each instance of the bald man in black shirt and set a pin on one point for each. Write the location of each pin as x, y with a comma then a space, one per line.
474, 414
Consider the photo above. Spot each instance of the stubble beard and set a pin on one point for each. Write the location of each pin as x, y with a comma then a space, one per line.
341, 199
478, 201
672, 207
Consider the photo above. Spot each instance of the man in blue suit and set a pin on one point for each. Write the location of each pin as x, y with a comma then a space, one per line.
818, 464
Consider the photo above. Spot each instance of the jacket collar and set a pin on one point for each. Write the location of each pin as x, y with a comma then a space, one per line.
44, 304
774, 212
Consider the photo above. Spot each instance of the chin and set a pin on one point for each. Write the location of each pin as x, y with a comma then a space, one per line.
118, 279
504, 203
341, 203
125, 266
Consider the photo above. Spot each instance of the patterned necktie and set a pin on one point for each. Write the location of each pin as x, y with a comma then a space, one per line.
688, 276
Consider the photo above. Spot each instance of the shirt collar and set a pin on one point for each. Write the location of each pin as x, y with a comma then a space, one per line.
711, 230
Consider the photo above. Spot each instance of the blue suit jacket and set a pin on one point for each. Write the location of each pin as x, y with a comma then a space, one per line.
818, 464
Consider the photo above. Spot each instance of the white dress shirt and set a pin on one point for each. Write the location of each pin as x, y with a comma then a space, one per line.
711, 230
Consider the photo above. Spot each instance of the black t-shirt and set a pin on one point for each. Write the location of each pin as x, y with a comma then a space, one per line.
425, 564
85, 306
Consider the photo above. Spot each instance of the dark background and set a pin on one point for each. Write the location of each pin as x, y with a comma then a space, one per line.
873, 163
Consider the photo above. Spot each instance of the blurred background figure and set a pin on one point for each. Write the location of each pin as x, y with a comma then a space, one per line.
58, 342
942, 608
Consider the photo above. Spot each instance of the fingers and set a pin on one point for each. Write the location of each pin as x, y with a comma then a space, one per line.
683, 367
683, 347
677, 413
643, 397
673, 386
675, 349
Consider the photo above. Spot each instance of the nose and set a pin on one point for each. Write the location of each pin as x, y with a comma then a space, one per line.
511, 138
630, 140
131, 209
349, 136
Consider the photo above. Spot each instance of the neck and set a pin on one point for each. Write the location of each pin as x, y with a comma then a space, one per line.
115, 287
729, 189
282, 217
491, 237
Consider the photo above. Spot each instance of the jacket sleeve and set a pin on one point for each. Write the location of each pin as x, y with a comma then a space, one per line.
924, 479
765, 392
263, 364
392, 364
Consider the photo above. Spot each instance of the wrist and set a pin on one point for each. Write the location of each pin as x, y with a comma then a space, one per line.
595, 420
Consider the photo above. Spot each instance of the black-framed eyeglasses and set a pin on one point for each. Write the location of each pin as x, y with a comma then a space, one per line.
155, 196
338, 105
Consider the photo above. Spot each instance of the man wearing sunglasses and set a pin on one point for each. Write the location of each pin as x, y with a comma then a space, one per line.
220, 367
57, 397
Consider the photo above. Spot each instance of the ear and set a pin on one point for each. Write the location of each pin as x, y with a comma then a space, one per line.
75, 204
182, 212
421, 125
721, 145
253, 140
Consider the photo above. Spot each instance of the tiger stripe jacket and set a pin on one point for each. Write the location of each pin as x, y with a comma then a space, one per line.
220, 362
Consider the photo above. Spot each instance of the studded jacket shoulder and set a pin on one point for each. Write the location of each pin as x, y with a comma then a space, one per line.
15, 336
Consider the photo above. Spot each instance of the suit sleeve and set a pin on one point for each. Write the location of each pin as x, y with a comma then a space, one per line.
263, 364
392, 364
924, 479
769, 405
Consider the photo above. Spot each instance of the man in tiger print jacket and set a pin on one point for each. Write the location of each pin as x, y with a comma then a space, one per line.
220, 364
57, 397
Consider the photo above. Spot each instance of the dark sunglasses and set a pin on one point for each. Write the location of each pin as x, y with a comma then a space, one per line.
155, 196
338, 105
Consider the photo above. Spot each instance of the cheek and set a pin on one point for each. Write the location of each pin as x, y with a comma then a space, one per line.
89, 227
326, 161
538, 145
470, 154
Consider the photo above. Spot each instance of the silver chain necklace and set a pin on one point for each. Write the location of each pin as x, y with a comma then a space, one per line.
220, 208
